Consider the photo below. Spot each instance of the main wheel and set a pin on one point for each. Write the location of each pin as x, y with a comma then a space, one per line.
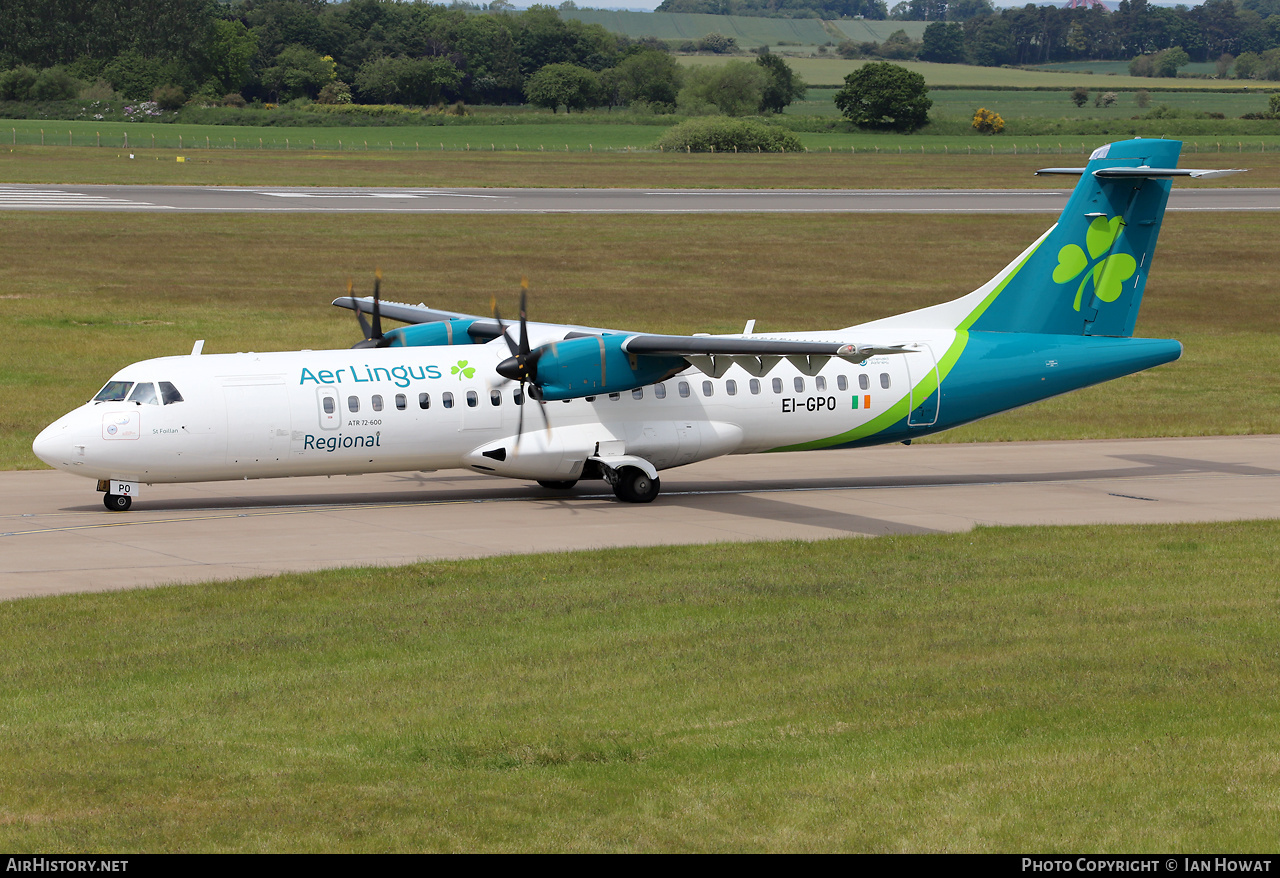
634, 486
117, 502
558, 486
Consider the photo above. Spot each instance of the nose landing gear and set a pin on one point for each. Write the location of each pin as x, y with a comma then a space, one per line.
117, 502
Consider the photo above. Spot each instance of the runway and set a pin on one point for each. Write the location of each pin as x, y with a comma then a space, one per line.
275, 199
56, 537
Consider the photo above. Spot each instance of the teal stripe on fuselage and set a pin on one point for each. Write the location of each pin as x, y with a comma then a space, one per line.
998, 371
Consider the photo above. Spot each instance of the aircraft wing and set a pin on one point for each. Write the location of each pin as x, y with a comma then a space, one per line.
480, 328
695, 345
712, 355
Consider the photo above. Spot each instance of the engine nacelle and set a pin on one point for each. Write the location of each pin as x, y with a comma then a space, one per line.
421, 335
591, 365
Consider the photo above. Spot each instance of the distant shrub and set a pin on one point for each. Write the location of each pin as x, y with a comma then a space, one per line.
1080, 96
336, 92
717, 43
16, 84
169, 97
987, 121
98, 90
723, 134
1105, 99
234, 99
1142, 98
55, 84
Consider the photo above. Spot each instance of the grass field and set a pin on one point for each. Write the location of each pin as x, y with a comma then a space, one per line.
880, 162
86, 294
1109, 689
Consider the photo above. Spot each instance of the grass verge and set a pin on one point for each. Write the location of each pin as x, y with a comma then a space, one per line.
879, 163
86, 294
1073, 689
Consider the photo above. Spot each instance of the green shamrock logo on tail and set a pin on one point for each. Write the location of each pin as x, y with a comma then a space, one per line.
462, 369
1108, 274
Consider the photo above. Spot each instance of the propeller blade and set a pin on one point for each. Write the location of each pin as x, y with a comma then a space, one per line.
520, 419
511, 345
524, 315
377, 313
542, 407
365, 331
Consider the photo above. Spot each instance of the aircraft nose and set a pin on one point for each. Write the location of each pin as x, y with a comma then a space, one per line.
53, 445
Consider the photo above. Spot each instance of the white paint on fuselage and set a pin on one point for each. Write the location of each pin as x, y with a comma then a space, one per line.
261, 415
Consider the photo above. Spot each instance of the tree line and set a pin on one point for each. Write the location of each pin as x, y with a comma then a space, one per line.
977, 33
369, 51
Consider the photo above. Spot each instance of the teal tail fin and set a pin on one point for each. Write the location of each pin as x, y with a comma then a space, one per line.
1087, 275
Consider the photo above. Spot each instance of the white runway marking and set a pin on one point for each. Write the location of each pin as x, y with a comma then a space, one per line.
52, 199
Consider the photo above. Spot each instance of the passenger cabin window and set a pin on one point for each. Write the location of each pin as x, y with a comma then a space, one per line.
864, 382
169, 394
329, 405
799, 382
615, 396
144, 394
684, 389
401, 402
777, 385
115, 391
353, 403
755, 386
495, 397
707, 388
884, 380
820, 383
424, 400
660, 391
517, 396
731, 387
637, 393
446, 400
377, 402
472, 399
842, 382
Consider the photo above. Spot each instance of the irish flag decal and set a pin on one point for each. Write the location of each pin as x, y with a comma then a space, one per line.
862, 402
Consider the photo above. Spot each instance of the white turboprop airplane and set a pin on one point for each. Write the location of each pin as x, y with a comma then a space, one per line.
449, 390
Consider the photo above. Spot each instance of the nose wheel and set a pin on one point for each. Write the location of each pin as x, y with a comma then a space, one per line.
117, 502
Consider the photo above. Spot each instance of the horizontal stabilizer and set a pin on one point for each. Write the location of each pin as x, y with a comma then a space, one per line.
1146, 173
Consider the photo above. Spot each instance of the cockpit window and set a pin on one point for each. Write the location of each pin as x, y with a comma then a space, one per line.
169, 394
115, 391
144, 394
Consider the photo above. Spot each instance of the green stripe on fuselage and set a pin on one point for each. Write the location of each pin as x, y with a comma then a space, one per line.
902, 408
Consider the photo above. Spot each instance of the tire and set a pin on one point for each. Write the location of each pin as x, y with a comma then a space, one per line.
117, 502
634, 486
558, 486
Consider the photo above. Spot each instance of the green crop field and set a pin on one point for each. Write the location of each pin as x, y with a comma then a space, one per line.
1121, 68
1087, 689
749, 32
832, 71
1016, 106
85, 294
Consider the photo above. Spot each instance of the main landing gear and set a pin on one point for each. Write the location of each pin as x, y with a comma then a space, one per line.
117, 502
633, 485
